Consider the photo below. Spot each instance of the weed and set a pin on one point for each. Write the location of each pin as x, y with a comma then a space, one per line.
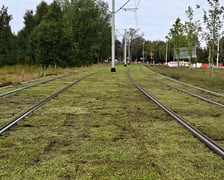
103, 128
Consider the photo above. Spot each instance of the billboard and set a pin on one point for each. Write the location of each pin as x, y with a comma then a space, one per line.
184, 53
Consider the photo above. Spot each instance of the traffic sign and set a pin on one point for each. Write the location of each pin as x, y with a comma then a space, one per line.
151, 55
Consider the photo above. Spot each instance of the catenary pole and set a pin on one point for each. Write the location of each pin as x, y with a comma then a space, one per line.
143, 49
125, 48
166, 51
113, 38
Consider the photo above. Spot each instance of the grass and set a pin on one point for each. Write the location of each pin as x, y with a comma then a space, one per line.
206, 117
103, 128
202, 77
20, 73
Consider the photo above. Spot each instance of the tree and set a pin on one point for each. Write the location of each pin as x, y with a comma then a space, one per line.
202, 55
7, 39
176, 37
41, 12
47, 44
213, 20
63, 33
31, 21
222, 49
192, 30
104, 30
159, 50
131, 35
47, 39
23, 38
137, 45
88, 28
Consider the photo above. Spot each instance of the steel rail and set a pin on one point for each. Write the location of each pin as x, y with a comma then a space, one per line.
20, 117
192, 94
196, 87
198, 134
195, 95
33, 85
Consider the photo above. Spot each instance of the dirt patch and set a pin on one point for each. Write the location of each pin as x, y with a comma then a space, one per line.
5, 84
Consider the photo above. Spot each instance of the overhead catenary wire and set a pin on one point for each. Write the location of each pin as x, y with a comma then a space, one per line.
122, 6
136, 15
101, 5
134, 9
118, 32
137, 3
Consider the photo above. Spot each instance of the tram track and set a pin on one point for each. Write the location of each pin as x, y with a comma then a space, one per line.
195, 95
186, 84
205, 94
33, 85
8, 125
197, 133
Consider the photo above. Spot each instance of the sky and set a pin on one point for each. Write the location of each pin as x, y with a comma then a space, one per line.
152, 18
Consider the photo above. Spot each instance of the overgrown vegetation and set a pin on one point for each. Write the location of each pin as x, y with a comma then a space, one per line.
194, 76
104, 128
206, 117
21, 73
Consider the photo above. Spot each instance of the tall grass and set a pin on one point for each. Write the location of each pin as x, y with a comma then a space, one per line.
194, 76
20, 73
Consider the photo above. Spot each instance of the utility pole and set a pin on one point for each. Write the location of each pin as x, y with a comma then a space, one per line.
129, 51
143, 49
125, 48
166, 51
131, 34
113, 38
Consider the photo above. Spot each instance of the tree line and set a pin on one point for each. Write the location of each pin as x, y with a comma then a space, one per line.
188, 34
78, 33
63, 33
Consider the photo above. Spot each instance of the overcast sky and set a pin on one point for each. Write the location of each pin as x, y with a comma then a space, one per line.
154, 18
